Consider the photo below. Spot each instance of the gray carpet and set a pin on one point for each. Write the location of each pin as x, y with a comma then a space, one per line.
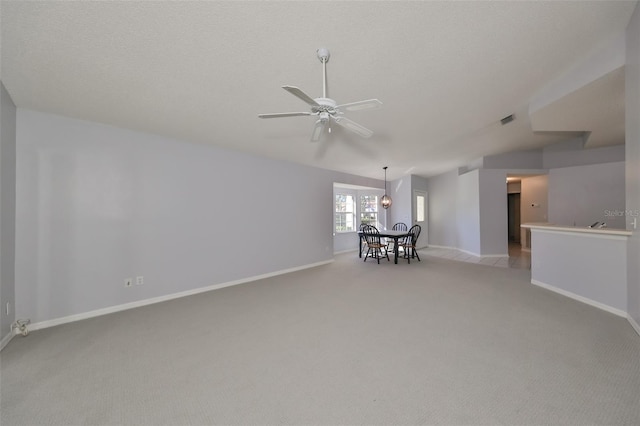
434, 342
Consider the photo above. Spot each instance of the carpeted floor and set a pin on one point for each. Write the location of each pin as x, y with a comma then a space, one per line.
434, 342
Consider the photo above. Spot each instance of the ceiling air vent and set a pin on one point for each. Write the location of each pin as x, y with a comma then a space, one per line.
508, 119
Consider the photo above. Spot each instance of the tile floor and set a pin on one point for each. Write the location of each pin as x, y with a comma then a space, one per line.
517, 258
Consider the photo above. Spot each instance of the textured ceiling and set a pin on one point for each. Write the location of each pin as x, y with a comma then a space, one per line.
446, 73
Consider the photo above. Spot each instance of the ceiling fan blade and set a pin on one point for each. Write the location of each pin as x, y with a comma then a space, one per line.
300, 94
319, 130
354, 127
360, 105
284, 114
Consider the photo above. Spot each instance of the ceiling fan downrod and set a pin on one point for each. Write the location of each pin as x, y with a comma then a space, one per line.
323, 55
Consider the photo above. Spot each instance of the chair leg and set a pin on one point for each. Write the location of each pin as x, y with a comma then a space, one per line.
407, 254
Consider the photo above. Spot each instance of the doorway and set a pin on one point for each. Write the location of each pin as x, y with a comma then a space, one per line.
513, 211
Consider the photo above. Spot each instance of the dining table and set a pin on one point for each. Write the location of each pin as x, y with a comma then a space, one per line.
395, 235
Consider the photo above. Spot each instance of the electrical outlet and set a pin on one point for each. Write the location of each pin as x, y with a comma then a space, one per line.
139, 280
128, 282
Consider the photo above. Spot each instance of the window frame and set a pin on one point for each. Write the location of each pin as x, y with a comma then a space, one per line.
346, 213
379, 218
364, 211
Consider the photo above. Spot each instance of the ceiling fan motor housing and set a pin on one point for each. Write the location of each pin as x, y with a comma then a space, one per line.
325, 105
323, 54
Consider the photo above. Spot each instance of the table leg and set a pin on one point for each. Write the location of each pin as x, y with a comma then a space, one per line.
395, 250
360, 244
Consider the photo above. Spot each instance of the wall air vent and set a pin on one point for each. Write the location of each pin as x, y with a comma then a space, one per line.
508, 119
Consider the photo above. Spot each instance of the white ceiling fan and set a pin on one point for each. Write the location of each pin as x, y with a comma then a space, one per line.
327, 109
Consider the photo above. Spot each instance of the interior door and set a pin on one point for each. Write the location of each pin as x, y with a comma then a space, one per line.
420, 216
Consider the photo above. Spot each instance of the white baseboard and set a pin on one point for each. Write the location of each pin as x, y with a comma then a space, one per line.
582, 299
345, 251
634, 324
6, 339
139, 303
483, 256
470, 253
442, 247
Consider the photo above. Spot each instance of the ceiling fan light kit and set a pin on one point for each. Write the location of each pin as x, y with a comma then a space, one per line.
326, 109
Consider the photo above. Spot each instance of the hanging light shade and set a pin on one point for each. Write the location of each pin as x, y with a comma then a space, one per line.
385, 200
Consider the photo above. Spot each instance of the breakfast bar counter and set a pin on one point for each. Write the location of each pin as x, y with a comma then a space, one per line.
587, 264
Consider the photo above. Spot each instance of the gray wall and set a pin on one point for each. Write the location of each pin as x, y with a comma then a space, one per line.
585, 265
514, 187
98, 204
534, 190
584, 189
570, 154
400, 192
530, 159
468, 212
632, 129
443, 199
493, 213
583, 195
7, 210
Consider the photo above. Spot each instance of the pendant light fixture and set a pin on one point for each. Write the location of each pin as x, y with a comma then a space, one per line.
385, 200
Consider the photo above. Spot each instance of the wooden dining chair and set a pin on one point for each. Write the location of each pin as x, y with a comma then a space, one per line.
363, 240
375, 246
408, 244
397, 227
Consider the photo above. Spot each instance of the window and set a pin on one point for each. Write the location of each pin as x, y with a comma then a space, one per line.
369, 210
345, 213
354, 207
420, 202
